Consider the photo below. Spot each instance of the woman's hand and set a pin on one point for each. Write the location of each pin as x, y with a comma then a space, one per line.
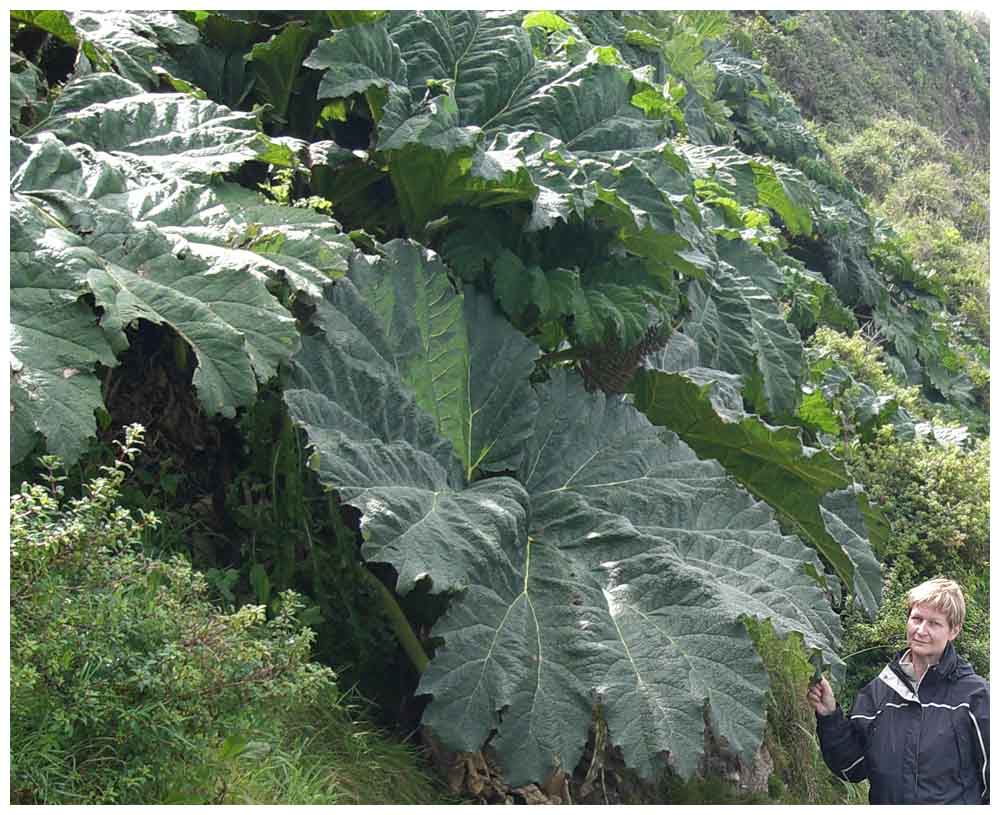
821, 697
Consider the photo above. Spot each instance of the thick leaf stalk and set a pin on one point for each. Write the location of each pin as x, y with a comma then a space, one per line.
397, 620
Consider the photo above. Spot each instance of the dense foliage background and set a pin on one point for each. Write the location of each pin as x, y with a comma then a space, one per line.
528, 393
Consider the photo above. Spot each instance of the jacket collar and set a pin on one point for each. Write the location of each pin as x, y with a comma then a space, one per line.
898, 680
949, 660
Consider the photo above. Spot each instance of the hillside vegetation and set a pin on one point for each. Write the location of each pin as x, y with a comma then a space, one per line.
901, 104
548, 379
847, 70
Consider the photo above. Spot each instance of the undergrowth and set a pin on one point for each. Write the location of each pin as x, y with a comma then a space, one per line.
799, 775
129, 686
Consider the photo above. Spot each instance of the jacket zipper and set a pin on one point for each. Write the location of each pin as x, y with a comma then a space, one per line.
916, 758
920, 730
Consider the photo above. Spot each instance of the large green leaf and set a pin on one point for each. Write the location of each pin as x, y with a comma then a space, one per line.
236, 329
847, 236
225, 224
276, 64
502, 403
230, 31
384, 455
233, 227
463, 362
623, 586
752, 262
357, 59
54, 337
27, 90
613, 303
757, 181
434, 139
588, 109
432, 154
639, 563
845, 513
773, 463
486, 56
739, 328
421, 316
135, 41
645, 194
175, 134
223, 74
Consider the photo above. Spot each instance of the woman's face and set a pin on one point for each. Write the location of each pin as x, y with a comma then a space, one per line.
928, 633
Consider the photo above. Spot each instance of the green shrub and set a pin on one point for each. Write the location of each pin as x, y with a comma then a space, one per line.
909, 169
936, 499
883, 153
959, 266
930, 190
129, 686
865, 361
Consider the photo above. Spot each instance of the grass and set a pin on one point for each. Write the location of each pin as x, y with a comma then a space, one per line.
338, 758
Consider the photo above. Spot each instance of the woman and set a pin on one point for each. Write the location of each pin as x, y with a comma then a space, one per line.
920, 731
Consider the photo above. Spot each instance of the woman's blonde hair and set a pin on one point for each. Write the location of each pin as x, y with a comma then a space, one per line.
942, 594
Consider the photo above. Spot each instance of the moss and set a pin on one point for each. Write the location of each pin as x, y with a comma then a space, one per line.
799, 775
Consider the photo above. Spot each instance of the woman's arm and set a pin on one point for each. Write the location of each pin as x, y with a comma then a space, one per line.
842, 746
979, 711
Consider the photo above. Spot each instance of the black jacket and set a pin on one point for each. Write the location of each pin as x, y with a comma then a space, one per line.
929, 746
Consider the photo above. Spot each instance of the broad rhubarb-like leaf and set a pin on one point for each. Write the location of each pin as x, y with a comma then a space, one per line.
225, 224
134, 40
54, 337
773, 463
175, 133
757, 181
640, 561
383, 453
27, 89
276, 65
236, 329
466, 366
739, 328
845, 513
614, 571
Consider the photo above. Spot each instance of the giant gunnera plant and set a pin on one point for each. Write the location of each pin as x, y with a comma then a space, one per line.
534, 308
